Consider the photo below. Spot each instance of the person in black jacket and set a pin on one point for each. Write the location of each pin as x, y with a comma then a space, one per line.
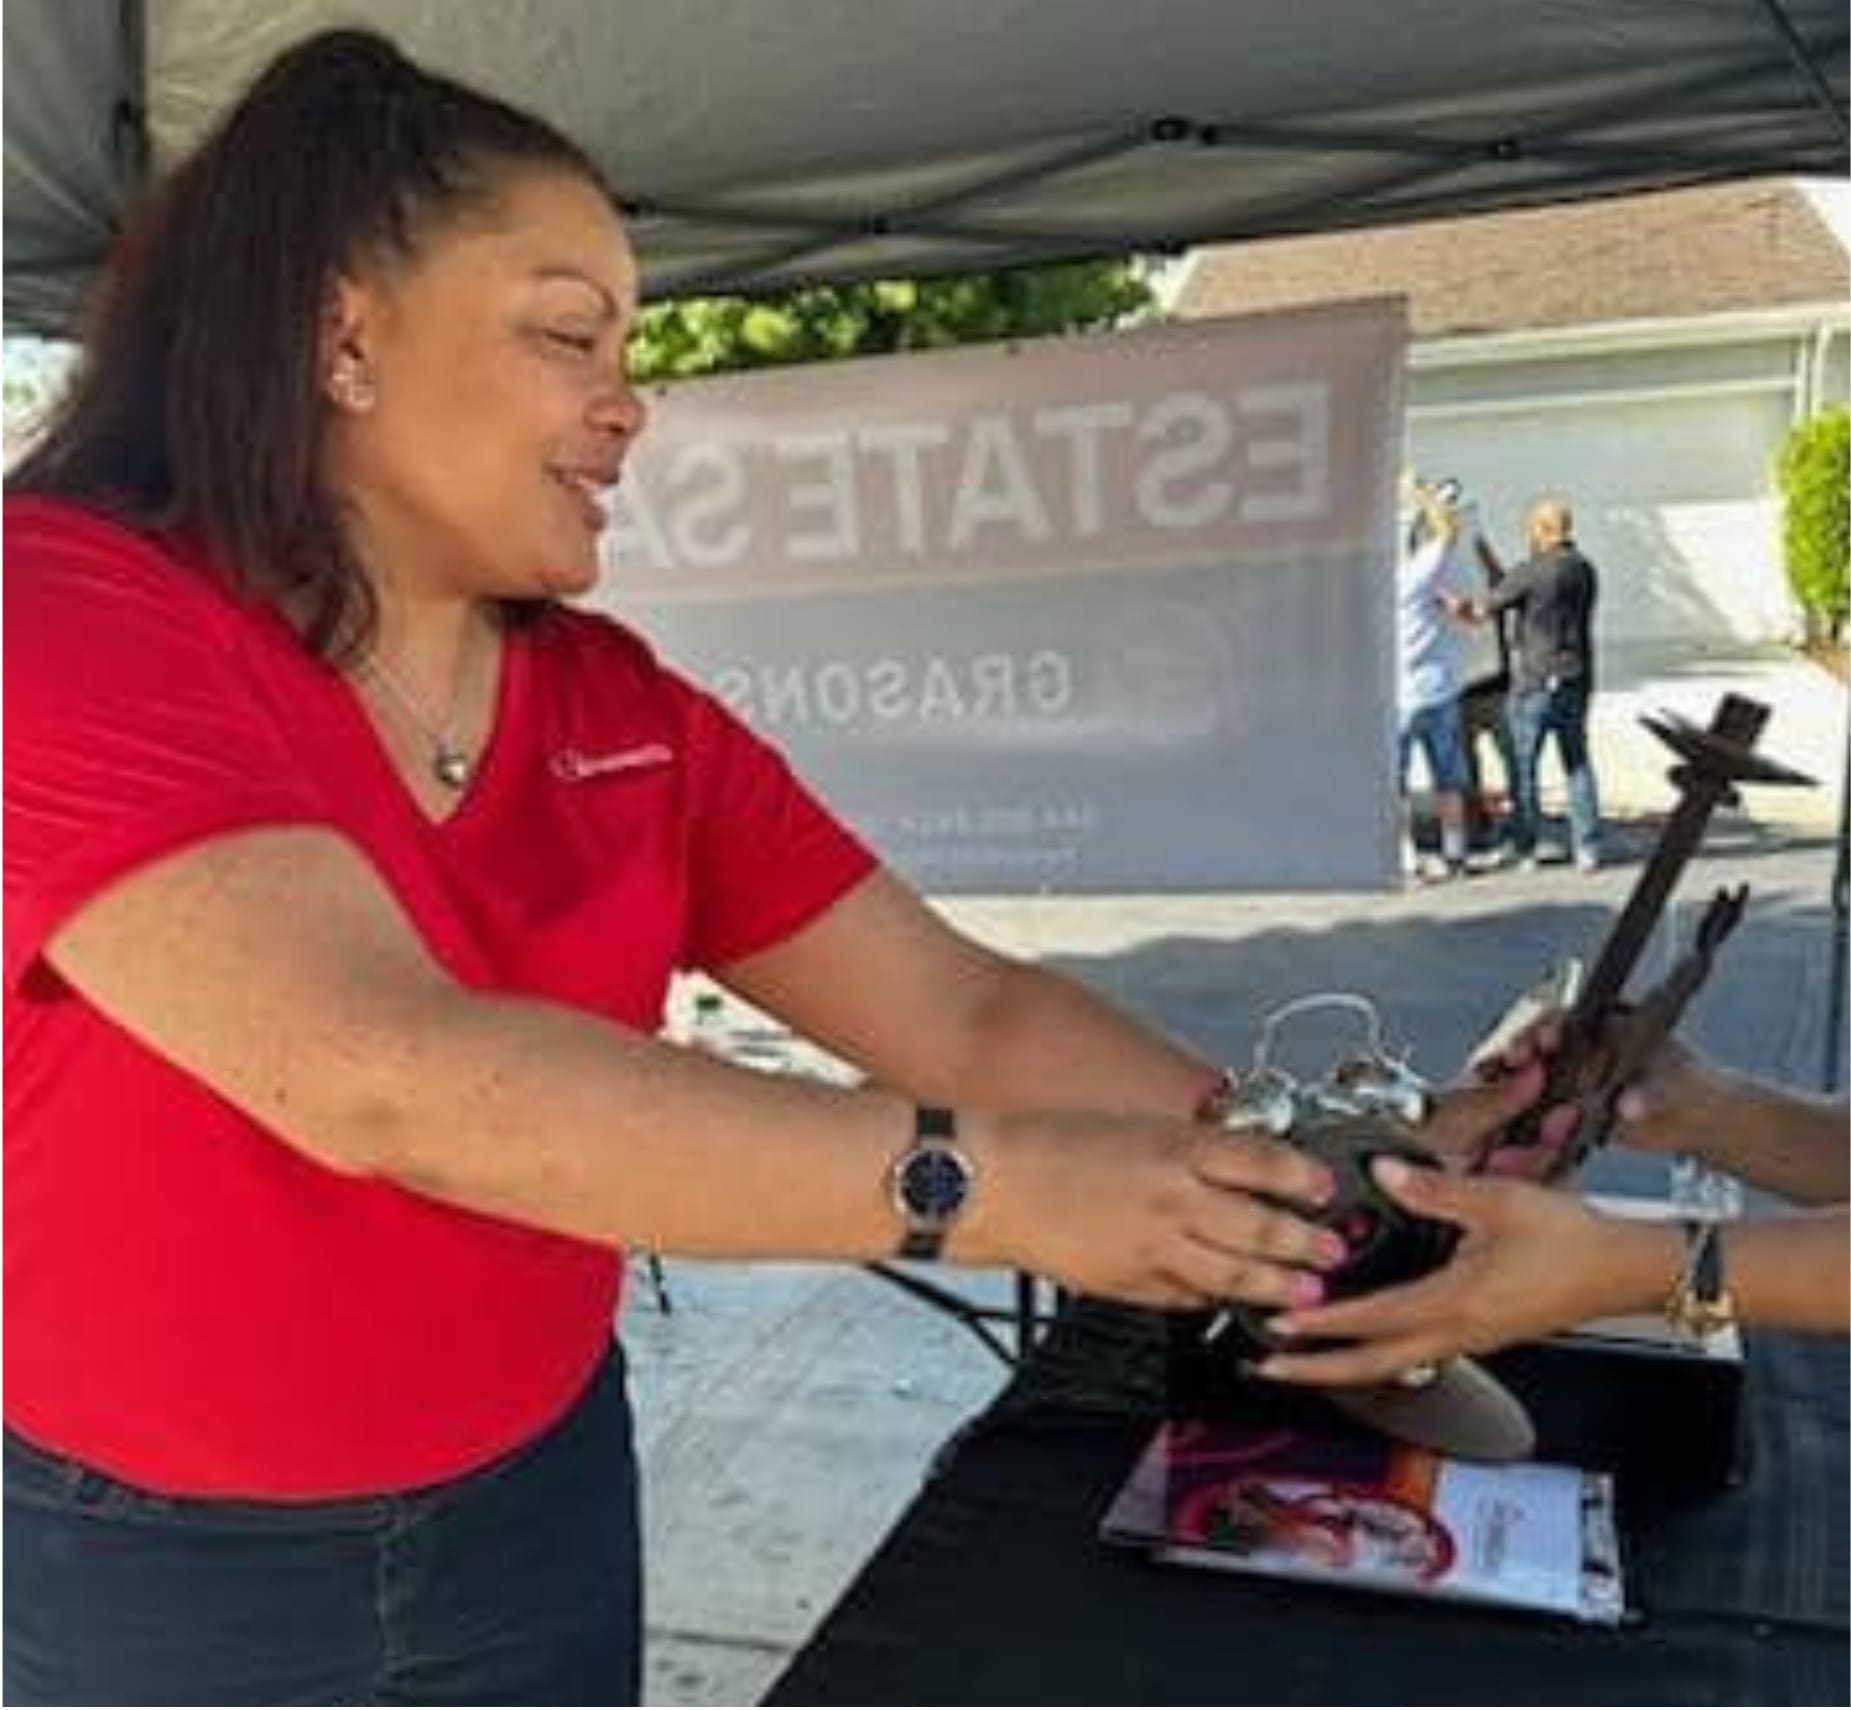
1552, 594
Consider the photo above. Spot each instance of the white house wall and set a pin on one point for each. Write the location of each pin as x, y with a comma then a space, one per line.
1661, 436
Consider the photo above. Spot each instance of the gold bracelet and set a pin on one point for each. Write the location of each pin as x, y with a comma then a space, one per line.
1700, 1304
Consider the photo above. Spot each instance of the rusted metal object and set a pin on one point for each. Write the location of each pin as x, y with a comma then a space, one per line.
1606, 1039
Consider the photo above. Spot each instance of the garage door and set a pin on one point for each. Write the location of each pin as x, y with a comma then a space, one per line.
1672, 489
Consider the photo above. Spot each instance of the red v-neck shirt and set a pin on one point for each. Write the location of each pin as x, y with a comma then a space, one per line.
192, 1305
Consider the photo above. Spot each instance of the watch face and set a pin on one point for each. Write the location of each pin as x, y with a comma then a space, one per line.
934, 1183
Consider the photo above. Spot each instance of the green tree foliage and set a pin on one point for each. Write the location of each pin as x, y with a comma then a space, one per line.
1815, 486
708, 335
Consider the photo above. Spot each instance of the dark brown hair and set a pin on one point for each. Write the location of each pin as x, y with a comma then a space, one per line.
199, 405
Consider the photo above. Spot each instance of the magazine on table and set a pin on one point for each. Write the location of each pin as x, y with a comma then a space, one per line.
1364, 1511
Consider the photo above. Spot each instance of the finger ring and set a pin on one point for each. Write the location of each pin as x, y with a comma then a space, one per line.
1417, 1377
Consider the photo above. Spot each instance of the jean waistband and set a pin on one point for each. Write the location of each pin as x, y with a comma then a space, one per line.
45, 1478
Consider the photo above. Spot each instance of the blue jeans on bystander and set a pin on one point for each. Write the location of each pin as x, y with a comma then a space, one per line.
1559, 709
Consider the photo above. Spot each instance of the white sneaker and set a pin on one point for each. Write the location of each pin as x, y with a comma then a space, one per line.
1586, 861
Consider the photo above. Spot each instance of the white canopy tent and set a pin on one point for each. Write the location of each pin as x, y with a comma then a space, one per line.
762, 145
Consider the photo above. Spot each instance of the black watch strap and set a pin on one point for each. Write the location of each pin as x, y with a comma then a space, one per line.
934, 1122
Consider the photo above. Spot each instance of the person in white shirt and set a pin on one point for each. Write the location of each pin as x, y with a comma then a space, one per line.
1430, 658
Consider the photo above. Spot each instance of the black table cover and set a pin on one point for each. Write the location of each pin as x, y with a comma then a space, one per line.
994, 1589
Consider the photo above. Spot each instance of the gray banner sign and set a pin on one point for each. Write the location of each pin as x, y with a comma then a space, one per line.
1120, 619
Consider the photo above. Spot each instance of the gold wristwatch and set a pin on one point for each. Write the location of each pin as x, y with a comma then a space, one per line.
1700, 1303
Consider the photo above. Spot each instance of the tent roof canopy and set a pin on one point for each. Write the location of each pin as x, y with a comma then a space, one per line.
762, 146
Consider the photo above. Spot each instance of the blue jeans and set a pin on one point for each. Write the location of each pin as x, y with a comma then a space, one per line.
1559, 710
518, 1584
1439, 732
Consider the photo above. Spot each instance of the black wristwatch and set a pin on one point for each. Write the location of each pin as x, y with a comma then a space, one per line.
930, 1182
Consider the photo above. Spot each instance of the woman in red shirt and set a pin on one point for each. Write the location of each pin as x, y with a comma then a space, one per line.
346, 873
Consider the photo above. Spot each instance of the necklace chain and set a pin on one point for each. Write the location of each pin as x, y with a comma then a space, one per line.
450, 761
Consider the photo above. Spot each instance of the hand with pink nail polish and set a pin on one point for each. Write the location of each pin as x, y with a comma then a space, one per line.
1532, 1259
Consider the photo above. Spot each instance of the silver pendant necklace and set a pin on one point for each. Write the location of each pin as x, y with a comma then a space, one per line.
451, 763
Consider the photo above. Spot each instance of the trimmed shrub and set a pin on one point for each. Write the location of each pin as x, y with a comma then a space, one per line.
1815, 490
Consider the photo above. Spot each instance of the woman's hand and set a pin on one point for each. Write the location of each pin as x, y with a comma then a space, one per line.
1525, 1059
1145, 1209
1466, 1119
1676, 1103
1530, 1260
1675, 1095
1177, 1214
1786, 1142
